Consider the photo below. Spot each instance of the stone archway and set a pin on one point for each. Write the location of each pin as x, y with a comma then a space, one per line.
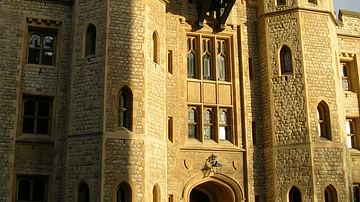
214, 188
211, 191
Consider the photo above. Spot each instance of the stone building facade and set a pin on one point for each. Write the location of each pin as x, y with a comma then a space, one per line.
179, 100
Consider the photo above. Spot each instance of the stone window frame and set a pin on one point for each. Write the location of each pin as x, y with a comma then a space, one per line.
156, 194
51, 120
90, 38
32, 179
215, 124
293, 189
124, 110
281, 60
123, 188
352, 132
323, 121
83, 192
44, 26
201, 45
155, 42
356, 191
330, 191
352, 74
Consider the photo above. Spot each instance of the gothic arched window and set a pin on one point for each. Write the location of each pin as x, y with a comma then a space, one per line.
285, 60
123, 193
83, 192
155, 47
323, 116
330, 194
294, 195
125, 108
90, 41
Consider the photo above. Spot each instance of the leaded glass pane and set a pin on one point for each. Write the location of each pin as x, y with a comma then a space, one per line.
191, 65
221, 67
48, 42
35, 41
207, 66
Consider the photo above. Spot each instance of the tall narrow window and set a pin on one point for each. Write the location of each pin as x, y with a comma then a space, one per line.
83, 192
155, 47
221, 60
345, 76
330, 194
32, 188
36, 115
191, 58
356, 191
223, 125
285, 60
156, 193
206, 59
281, 2
124, 193
192, 123
208, 124
170, 61
254, 132
294, 195
125, 108
41, 48
90, 41
251, 69
170, 129
323, 116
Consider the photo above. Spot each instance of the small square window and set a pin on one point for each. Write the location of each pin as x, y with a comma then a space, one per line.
41, 47
281, 2
36, 116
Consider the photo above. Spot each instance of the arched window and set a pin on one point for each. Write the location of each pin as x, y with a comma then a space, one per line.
191, 58
192, 123
294, 195
208, 124
208, 71
90, 41
330, 194
125, 108
285, 60
123, 193
155, 47
156, 193
83, 192
323, 116
221, 60
224, 125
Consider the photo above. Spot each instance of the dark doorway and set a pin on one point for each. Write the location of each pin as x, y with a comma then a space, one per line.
198, 196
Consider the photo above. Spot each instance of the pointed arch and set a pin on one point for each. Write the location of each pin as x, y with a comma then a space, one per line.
323, 116
227, 185
294, 194
83, 192
285, 60
125, 108
156, 193
123, 192
90, 40
155, 47
330, 194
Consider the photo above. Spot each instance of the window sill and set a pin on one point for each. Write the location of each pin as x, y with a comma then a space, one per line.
40, 66
35, 138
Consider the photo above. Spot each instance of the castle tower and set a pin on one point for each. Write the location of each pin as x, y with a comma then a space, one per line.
116, 143
304, 149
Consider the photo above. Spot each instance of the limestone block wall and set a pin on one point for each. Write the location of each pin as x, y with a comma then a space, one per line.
26, 157
87, 75
322, 80
83, 145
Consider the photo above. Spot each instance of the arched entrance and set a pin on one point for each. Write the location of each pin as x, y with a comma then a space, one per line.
214, 188
212, 191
